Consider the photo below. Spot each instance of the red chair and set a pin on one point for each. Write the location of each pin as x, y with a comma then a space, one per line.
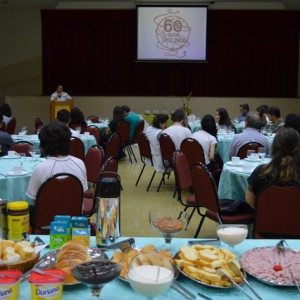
113, 145
242, 152
77, 148
11, 126
93, 130
277, 211
146, 156
206, 195
61, 194
123, 129
139, 128
167, 149
3, 127
93, 119
21, 147
184, 181
192, 150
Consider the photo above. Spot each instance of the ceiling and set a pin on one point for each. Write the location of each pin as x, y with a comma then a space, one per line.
107, 4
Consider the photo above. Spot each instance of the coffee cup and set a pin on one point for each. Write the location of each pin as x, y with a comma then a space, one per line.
87, 134
12, 154
235, 160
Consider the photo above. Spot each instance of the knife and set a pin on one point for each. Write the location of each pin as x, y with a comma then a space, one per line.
205, 242
204, 297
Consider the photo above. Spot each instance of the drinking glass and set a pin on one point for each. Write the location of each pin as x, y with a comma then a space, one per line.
150, 274
22, 157
168, 222
78, 130
249, 153
232, 234
262, 152
32, 151
95, 274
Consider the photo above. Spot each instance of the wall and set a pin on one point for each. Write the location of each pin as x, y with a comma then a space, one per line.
27, 108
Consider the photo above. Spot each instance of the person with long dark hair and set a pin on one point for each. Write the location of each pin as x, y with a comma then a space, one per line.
222, 118
77, 119
7, 114
112, 126
284, 164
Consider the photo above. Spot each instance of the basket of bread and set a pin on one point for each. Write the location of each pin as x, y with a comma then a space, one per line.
125, 258
17, 255
201, 263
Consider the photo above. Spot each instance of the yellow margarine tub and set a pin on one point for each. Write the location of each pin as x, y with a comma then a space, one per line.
10, 284
45, 286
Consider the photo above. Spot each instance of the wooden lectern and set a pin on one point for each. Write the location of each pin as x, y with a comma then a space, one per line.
55, 106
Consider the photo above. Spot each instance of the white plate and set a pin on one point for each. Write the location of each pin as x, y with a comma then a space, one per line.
12, 173
253, 160
7, 157
230, 163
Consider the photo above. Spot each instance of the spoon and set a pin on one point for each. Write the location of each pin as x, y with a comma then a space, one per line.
237, 271
37, 270
223, 273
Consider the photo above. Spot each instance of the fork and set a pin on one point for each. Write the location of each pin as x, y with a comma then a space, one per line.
281, 247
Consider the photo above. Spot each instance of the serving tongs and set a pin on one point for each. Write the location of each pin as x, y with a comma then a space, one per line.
281, 248
125, 245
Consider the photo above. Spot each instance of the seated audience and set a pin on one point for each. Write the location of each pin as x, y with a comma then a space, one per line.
55, 143
63, 116
112, 126
6, 112
5, 139
251, 134
284, 164
244, 110
132, 119
262, 111
292, 121
177, 131
77, 119
222, 119
153, 132
276, 121
207, 139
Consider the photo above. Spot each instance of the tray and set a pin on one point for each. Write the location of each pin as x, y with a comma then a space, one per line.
265, 253
48, 261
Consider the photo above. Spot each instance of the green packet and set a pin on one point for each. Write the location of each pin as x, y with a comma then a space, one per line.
59, 234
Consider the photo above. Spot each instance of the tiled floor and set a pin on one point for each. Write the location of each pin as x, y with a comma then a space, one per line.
136, 202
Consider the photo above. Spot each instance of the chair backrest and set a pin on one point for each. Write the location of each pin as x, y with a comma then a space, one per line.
123, 129
144, 147
182, 171
61, 194
167, 148
204, 188
93, 130
11, 126
192, 150
77, 148
110, 166
113, 146
93, 118
242, 152
38, 123
21, 147
93, 161
277, 211
139, 128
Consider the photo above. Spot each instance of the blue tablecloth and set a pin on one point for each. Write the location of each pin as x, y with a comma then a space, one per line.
13, 187
33, 139
119, 290
102, 127
233, 181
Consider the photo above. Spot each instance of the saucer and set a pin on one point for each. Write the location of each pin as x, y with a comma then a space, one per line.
8, 157
12, 173
230, 163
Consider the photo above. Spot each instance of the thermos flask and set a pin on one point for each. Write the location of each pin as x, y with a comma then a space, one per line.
108, 208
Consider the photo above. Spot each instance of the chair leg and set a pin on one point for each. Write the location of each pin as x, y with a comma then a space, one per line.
129, 154
175, 192
151, 180
199, 226
191, 215
162, 179
140, 175
132, 153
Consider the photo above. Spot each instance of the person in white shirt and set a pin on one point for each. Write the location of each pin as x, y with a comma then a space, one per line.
60, 95
55, 142
153, 132
63, 116
178, 132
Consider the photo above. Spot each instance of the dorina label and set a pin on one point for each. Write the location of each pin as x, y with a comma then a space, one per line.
10, 292
47, 291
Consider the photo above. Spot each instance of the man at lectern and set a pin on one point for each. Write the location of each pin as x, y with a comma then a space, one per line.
60, 95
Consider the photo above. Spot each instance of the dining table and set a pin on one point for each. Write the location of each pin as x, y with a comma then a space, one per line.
88, 140
120, 289
234, 178
102, 126
13, 186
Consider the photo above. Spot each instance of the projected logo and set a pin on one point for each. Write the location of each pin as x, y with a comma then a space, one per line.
172, 33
